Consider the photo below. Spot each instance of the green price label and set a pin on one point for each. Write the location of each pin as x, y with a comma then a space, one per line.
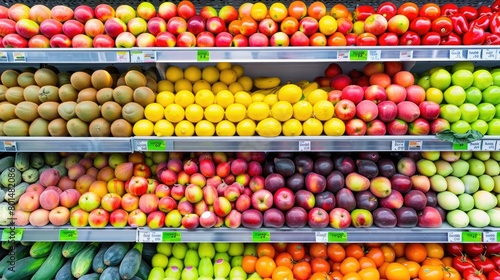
337, 236
358, 55
261, 236
68, 235
460, 147
157, 145
12, 234
171, 236
498, 236
472, 236
203, 55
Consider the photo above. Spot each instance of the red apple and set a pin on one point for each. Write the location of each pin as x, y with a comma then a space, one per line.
387, 111
167, 204
155, 219
268, 27
279, 39
299, 39
367, 110
376, 127
98, 218
397, 127
318, 218
340, 218
345, 109
186, 39
308, 25
420, 126
284, 199
355, 127
375, 24
439, 125
223, 39
258, 40
102, 41
118, 218
167, 10
375, 93
262, 200
429, 110
415, 94
215, 25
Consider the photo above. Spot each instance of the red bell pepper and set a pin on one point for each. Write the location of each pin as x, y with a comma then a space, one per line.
469, 12
449, 9
495, 6
482, 22
460, 24
451, 39
363, 11
484, 10
495, 23
475, 36
491, 39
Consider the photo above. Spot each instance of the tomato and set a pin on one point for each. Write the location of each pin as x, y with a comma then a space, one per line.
389, 253
492, 248
319, 265
433, 261
435, 250
248, 263
413, 268
430, 10
370, 273
449, 9
280, 247
456, 249
282, 273
449, 273
473, 274
336, 275
461, 263
442, 25
409, 38
469, 12
409, 9
494, 275
420, 25
381, 270
431, 38
266, 249
376, 255
365, 262
318, 250
284, 259
484, 264
415, 252
320, 276
447, 261
296, 250
366, 39
397, 271
496, 260
387, 10
352, 276
302, 270
265, 266
350, 264
388, 39
473, 249
354, 250
430, 272
336, 252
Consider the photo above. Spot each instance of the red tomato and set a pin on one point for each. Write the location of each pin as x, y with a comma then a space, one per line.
456, 249
496, 261
473, 274
442, 25
473, 249
484, 264
388, 39
366, 39
408, 9
494, 275
461, 263
431, 38
420, 25
492, 248
430, 10
409, 38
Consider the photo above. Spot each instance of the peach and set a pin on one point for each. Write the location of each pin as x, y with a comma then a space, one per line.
39, 217
66, 183
99, 187
29, 201
21, 218
83, 183
69, 198
76, 171
36, 187
49, 199
59, 216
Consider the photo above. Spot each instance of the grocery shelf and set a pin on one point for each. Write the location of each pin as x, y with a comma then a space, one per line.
251, 54
445, 233
65, 144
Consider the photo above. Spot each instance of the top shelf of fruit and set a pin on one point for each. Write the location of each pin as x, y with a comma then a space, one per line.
241, 24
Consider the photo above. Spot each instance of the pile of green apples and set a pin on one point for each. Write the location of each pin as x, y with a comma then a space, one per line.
469, 96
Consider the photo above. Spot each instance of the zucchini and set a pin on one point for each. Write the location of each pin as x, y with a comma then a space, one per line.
22, 161
6, 162
19, 252
65, 272
98, 264
131, 262
27, 243
23, 268
11, 177
36, 160
30, 175
41, 249
71, 249
13, 197
110, 273
7, 245
114, 255
82, 262
91, 276
144, 270
149, 251
52, 264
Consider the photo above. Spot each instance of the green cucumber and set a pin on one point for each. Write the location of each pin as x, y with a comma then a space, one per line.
6, 162
110, 273
71, 249
144, 270
149, 251
11, 177
23, 268
114, 255
30, 176
64, 272
52, 264
131, 262
36, 160
82, 262
13, 197
41, 249
98, 264
19, 252
22, 161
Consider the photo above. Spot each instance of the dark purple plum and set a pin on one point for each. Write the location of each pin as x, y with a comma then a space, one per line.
323, 166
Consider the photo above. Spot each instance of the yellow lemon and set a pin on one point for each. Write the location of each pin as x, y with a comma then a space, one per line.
218, 86
223, 66
270, 99
258, 111
205, 128
238, 69
210, 74
143, 128
256, 97
201, 84
225, 128
323, 110
228, 76
165, 85
317, 95
312, 127
214, 113
184, 98
184, 128
154, 112
269, 127
290, 92
194, 113
183, 84
246, 82
282, 111
334, 127
163, 128
165, 98
174, 73
235, 112
159, 260
174, 113
302, 110
224, 98
204, 98
246, 128
243, 97
192, 73
434, 94
235, 87
292, 127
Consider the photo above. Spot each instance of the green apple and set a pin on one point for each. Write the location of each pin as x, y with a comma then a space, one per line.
476, 167
192, 258
463, 65
431, 155
478, 218
469, 112
482, 79
495, 155
221, 247
471, 183
497, 113
426, 167
435, 68
206, 250
460, 127
487, 111
193, 245
455, 185
164, 248
424, 82
473, 95
236, 249
179, 250
450, 112
454, 95
482, 155
496, 76
434, 94
492, 168
462, 78
439, 183
173, 219
466, 202
250, 249
492, 95
236, 261
494, 127
448, 200
486, 183
484, 200
440, 79
480, 126
465, 155
460, 168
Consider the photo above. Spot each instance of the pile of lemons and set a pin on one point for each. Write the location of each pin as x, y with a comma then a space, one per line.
217, 100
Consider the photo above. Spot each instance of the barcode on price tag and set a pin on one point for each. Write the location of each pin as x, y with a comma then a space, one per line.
489, 54
342, 55
398, 145
374, 55
455, 236
304, 146
456, 54
3, 57
491, 236
406, 55
321, 236
474, 54
475, 145
489, 145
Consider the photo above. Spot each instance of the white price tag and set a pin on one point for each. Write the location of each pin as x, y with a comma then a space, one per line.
141, 146
456, 54
489, 145
149, 236
489, 54
142, 56
498, 146
321, 236
19, 56
374, 55
455, 236
10, 146
490, 236
474, 146
304, 146
122, 57
149, 56
343, 55
474, 54
3, 57
398, 145
406, 55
